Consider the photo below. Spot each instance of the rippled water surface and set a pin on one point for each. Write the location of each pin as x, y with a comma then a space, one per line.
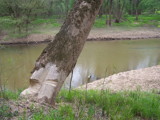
98, 59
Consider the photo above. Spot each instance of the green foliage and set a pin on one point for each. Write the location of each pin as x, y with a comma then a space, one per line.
7, 94
121, 105
50, 21
157, 12
6, 23
20, 18
63, 112
116, 106
150, 5
144, 20
22, 12
9, 25
129, 21
5, 112
100, 22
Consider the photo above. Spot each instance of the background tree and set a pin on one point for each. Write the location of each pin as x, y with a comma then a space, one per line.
150, 5
109, 22
23, 11
49, 8
136, 4
118, 9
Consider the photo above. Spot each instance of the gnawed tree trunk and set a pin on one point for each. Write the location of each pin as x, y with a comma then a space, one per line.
59, 58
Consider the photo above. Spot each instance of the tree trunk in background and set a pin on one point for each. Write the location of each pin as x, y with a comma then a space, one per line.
67, 6
60, 56
137, 9
50, 8
109, 22
119, 11
100, 12
136, 14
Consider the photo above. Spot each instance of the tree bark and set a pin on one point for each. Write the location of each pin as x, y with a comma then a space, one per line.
67, 6
109, 22
136, 14
119, 11
60, 56
100, 12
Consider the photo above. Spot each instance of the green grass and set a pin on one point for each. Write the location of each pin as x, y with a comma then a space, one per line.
121, 105
64, 112
129, 21
8, 24
100, 22
50, 21
5, 112
7, 94
135, 105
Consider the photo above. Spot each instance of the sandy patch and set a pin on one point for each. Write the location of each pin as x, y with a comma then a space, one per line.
145, 79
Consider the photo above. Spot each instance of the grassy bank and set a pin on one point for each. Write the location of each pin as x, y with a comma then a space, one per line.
10, 26
130, 21
91, 105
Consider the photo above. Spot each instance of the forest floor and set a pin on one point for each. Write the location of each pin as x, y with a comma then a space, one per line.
113, 33
83, 105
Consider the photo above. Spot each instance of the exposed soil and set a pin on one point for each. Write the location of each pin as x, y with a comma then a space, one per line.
95, 34
124, 34
23, 108
146, 79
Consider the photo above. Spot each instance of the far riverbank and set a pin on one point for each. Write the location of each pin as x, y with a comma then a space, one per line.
96, 34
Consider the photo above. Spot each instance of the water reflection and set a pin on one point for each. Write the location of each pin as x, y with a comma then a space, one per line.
98, 59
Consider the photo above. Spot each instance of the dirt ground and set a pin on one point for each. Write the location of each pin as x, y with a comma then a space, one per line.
113, 33
146, 79
125, 33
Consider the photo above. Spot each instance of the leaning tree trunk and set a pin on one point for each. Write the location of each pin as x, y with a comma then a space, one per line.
59, 58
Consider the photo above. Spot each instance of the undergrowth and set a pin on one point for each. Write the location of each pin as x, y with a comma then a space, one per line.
130, 21
7, 94
8, 25
89, 105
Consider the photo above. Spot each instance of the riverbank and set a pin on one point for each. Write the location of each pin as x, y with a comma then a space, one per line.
146, 79
84, 105
96, 34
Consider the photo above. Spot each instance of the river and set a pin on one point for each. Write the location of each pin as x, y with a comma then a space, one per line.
98, 59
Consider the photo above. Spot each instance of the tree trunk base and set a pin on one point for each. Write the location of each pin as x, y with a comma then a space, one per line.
43, 83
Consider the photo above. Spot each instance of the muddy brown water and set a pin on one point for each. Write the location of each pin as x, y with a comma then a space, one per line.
98, 59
